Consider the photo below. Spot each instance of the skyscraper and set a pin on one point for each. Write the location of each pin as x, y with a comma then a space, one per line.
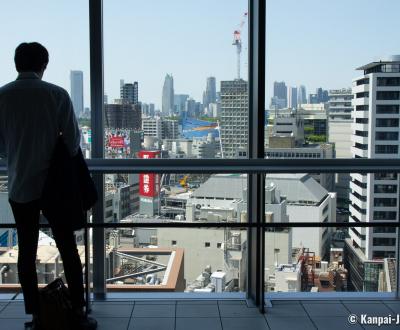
292, 97
234, 117
76, 78
210, 94
123, 116
168, 96
301, 95
322, 95
374, 196
279, 100
130, 92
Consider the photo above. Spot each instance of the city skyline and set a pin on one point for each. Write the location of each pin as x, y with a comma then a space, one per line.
196, 52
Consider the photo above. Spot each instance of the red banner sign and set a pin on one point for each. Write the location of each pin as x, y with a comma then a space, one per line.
149, 182
116, 142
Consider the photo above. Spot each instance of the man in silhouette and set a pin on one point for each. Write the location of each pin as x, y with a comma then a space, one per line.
33, 114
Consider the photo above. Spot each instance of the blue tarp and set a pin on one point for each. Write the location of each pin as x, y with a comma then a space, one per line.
192, 127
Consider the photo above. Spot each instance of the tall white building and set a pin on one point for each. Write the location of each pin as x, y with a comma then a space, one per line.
168, 96
234, 117
301, 95
339, 128
374, 197
292, 97
77, 91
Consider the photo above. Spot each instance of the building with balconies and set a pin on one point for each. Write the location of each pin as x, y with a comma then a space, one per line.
374, 197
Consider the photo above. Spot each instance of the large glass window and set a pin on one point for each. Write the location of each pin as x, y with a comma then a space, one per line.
165, 86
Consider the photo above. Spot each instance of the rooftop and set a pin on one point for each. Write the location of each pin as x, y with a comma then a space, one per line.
393, 59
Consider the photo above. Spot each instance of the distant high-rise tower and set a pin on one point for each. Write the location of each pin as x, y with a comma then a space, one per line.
374, 197
279, 100
77, 91
210, 94
168, 96
292, 97
301, 95
234, 117
130, 92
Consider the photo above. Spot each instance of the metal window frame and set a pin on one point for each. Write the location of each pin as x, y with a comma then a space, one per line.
256, 166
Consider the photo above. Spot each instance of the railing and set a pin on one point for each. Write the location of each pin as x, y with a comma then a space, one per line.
244, 166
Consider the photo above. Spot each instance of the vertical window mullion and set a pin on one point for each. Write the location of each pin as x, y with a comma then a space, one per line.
97, 126
256, 182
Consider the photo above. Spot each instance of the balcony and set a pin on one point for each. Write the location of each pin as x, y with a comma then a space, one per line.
359, 127
359, 152
359, 139
360, 88
360, 101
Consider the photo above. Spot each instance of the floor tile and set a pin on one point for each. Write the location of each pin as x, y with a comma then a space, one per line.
6, 296
112, 310
197, 311
232, 302
239, 311
13, 310
155, 323
286, 310
376, 309
198, 323
244, 323
362, 301
394, 306
323, 302
155, 302
197, 302
13, 324
154, 311
334, 323
285, 302
383, 326
276, 322
325, 309
114, 323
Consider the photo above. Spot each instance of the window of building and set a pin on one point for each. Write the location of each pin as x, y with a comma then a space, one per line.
385, 188
388, 81
362, 133
173, 243
219, 245
387, 122
383, 254
385, 176
387, 109
385, 202
362, 107
384, 241
207, 244
384, 230
362, 120
387, 95
387, 136
386, 149
362, 94
364, 81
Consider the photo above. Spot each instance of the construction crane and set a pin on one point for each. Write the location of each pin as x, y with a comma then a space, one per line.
237, 41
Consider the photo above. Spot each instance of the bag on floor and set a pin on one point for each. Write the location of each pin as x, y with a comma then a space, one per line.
55, 306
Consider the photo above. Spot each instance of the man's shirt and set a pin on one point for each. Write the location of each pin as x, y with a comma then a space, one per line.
33, 113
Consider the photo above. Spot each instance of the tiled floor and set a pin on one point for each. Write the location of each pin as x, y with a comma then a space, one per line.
220, 315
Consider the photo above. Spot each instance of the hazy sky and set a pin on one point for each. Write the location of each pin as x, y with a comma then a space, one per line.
310, 42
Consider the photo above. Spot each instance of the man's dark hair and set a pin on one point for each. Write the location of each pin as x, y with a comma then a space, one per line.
31, 56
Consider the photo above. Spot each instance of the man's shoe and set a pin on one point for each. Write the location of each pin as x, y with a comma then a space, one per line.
83, 322
33, 325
